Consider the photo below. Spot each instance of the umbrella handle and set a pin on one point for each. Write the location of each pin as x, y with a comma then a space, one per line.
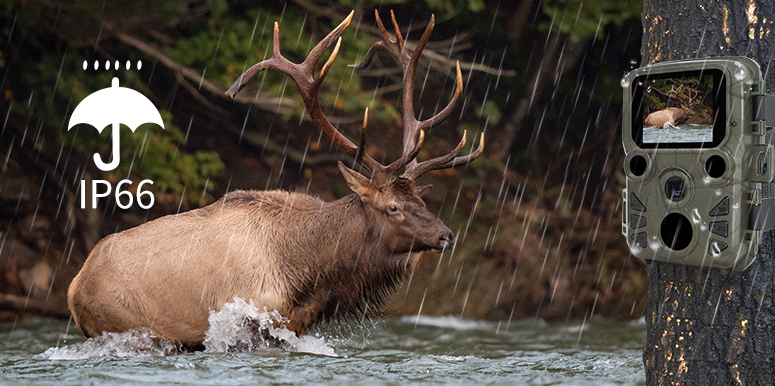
115, 153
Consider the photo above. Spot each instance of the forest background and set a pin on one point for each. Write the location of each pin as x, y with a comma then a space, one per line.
537, 215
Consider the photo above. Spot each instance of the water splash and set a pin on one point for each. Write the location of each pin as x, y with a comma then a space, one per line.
239, 327
135, 343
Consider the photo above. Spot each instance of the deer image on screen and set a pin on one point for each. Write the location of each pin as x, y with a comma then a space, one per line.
309, 259
671, 117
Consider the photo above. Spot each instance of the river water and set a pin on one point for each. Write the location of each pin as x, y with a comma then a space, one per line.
407, 350
685, 133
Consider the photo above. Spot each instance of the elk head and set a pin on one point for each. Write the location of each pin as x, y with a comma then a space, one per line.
392, 201
685, 103
398, 210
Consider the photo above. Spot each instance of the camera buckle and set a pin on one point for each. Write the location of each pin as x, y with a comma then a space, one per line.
764, 109
761, 216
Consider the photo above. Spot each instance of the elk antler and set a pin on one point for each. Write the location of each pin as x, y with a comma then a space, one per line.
414, 129
303, 74
690, 95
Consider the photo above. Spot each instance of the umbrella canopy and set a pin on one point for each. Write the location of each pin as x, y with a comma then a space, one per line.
114, 106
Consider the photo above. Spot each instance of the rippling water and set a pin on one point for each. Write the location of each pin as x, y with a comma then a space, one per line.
408, 350
678, 134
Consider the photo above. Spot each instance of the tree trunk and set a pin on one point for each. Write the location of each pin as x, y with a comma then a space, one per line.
705, 327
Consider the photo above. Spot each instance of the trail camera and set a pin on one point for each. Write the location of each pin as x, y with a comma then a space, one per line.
698, 162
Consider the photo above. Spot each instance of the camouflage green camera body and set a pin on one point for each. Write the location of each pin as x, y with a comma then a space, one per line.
696, 157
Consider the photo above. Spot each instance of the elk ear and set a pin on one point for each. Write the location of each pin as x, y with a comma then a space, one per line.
423, 191
357, 182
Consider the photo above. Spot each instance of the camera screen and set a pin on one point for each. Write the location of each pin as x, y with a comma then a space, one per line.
679, 110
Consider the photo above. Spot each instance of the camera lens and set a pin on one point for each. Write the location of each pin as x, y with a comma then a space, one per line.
676, 231
675, 188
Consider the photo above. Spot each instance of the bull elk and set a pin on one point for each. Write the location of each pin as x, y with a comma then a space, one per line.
309, 259
672, 116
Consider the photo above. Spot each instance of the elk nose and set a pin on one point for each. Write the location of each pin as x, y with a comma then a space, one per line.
446, 239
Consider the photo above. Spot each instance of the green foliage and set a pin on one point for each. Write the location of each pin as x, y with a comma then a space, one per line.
445, 8
490, 110
50, 90
154, 153
654, 101
678, 92
225, 47
583, 20
354, 3
450, 8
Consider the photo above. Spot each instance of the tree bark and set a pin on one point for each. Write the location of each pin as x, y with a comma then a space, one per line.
705, 327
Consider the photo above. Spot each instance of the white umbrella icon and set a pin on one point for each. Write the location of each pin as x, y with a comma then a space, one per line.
114, 106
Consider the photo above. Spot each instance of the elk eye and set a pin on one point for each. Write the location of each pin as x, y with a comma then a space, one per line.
393, 208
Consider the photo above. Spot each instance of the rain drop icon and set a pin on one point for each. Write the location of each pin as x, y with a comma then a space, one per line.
114, 106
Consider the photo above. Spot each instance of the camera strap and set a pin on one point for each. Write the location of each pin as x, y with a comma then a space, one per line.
764, 109
762, 217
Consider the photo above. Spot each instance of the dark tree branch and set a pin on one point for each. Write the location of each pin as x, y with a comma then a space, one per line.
280, 105
23, 305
